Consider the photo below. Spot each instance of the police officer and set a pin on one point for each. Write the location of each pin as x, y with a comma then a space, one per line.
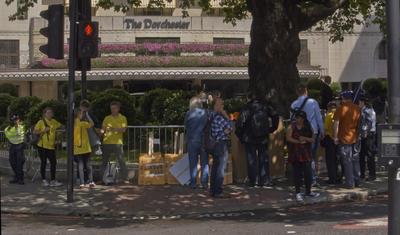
15, 134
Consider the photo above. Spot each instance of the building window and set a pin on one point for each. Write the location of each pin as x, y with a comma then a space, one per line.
150, 12
9, 54
92, 3
383, 50
303, 44
158, 41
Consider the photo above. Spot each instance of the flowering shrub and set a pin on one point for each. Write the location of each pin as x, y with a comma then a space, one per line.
172, 48
157, 61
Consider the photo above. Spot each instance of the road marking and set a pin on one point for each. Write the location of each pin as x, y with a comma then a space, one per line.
291, 232
288, 225
370, 223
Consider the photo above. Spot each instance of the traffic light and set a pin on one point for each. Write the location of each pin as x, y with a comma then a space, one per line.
88, 34
54, 32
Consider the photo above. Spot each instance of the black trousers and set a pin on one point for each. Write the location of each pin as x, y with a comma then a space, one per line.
44, 155
368, 152
332, 158
300, 169
17, 160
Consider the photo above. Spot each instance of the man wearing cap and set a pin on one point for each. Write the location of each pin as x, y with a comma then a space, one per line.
368, 143
314, 116
15, 133
379, 105
345, 135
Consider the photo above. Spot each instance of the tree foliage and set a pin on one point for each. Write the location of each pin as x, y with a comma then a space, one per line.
22, 106
152, 104
101, 106
64, 88
36, 113
5, 101
373, 86
9, 88
176, 107
335, 88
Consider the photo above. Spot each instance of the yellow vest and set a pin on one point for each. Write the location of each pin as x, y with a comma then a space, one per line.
114, 137
16, 134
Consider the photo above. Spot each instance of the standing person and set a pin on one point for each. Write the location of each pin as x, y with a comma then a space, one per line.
314, 116
338, 100
326, 93
252, 128
300, 136
195, 120
346, 136
113, 127
379, 106
15, 133
84, 106
46, 128
368, 143
331, 149
221, 126
82, 147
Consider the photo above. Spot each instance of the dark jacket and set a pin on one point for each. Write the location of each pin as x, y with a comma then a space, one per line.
326, 96
243, 123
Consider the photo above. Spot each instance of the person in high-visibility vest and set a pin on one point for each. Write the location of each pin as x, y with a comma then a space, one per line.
15, 133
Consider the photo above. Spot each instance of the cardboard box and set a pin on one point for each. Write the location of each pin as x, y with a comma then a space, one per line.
320, 162
275, 150
151, 169
170, 160
228, 179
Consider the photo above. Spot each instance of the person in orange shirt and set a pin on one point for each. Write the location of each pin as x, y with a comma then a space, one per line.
345, 135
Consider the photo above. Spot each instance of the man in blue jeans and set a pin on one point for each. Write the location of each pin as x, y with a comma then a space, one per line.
253, 129
221, 126
314, 116
195, 120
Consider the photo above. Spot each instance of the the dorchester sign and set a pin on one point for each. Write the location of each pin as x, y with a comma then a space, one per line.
151, 24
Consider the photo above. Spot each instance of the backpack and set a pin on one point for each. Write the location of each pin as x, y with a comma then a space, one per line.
295, 110
33, 139
364, 124
260, 123
207, 140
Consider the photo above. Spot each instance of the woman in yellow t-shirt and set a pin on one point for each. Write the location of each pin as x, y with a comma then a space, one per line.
46, 128
82, 147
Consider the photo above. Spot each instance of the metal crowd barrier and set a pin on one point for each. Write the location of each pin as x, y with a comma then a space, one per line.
135, 143
4, 154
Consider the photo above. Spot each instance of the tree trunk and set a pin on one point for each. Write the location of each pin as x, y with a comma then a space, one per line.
274, 48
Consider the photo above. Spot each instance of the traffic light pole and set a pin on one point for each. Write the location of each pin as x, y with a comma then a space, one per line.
83, 79
71, 99
393, 68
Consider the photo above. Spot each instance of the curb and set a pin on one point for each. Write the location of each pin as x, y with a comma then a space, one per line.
63, 211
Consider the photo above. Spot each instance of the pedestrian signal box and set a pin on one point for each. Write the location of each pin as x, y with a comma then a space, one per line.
88, 36
389, 145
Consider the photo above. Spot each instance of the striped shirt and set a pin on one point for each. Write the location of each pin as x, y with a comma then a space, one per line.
219, 124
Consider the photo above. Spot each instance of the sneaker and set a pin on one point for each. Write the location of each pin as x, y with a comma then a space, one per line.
313, 194
82, 186
126, 181
45, 183
78, 181
299, 197
193, 187
92, 185
13, 181
55, 183
315, 184
204, 185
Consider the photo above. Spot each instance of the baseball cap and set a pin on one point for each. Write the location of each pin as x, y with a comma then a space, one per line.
347, 93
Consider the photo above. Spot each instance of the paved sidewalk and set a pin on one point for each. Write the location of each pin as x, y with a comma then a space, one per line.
134, 200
